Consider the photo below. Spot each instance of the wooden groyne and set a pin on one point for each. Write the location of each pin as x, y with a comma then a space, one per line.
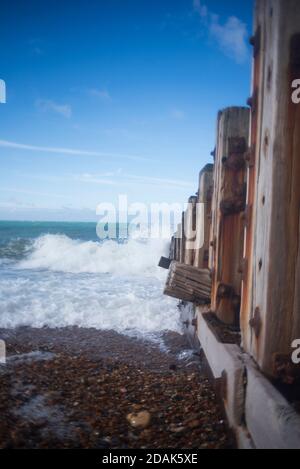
188, 283
235, 258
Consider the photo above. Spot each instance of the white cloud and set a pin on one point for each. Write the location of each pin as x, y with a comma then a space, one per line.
16, 204
159, 181
30, 192
120, 132
70, 151
95, 179
178, 114
2, 92
35, 46
102, 94
231, 36
120, 178
200, 8
16, 211
46, 105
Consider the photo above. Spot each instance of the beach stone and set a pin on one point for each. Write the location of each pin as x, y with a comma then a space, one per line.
98, 420
176, 428
139, 420
194, 423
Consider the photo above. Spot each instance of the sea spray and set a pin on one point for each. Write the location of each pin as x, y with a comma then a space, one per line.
62, 254
58, 281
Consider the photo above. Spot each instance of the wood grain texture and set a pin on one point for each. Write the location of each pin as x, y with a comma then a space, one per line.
228, 205
190, 231
271, 285
203, 216
188, 283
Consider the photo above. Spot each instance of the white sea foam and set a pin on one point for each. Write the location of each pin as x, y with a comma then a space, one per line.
107, 285
62, 254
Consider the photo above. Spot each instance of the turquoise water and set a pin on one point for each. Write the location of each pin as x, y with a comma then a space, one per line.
16, 237
31, 230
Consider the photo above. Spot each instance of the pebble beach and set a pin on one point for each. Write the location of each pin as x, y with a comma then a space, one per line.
84, 388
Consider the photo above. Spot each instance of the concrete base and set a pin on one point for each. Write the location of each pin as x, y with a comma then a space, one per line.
271, 420
259, 415
187, 316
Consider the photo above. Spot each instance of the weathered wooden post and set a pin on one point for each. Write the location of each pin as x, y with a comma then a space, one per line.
172, 252
185, 281
182, 238
227, 224
203, 216
270, 307
190, 231
177, 237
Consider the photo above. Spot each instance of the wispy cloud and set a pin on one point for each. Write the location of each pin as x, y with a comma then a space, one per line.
101, 94
119, 178
231, 36
200, 8
35, 46
69, 151
47, 105
30, 192
160, 181
95, 179
120, 133
13, 205
178, 114
2, 91
16, 210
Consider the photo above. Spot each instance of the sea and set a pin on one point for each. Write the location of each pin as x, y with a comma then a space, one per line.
59, 274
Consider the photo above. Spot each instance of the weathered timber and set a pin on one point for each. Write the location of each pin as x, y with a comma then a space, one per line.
203, 217
182, 238
228, 206
172, 251
188, 283
270, 309
178, 239
190, 231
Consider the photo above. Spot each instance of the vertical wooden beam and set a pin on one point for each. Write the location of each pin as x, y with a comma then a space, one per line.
172, 252
271, 285
190, 231
182, 239
252, 157
203, 216
227, 229
177, 243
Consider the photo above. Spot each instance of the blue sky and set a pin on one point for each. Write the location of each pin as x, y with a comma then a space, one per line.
108, 97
